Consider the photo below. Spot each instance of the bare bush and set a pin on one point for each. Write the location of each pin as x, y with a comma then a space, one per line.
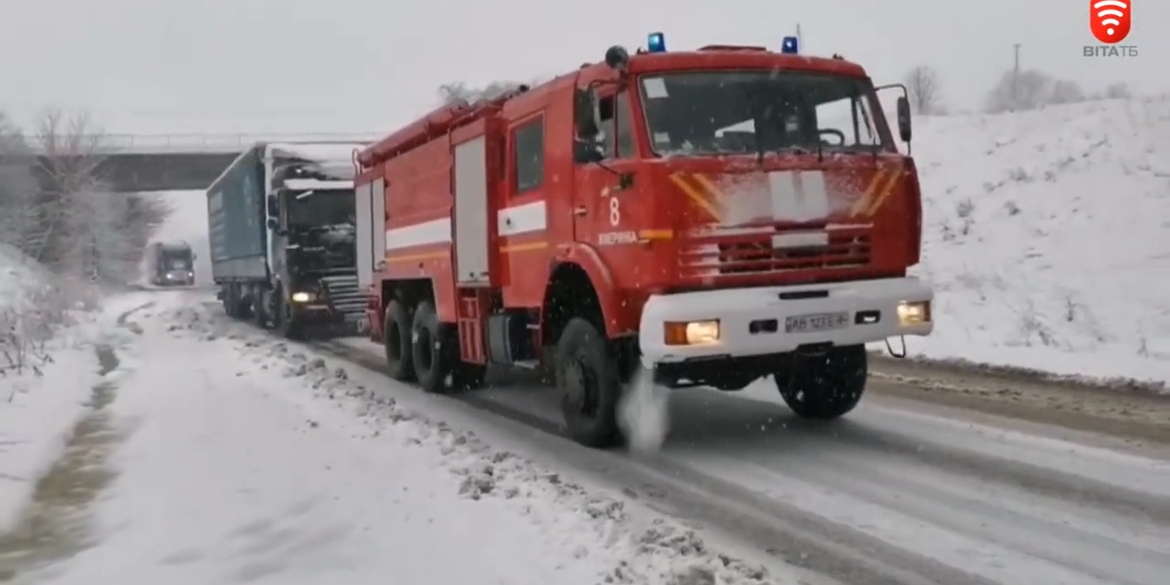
1117, 91
1031, 90
924, 86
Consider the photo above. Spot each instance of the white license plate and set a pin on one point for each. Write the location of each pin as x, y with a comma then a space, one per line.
363, 326
816, 322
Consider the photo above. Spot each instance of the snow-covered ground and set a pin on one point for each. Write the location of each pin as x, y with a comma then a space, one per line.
188, 222
250, 460
1047, 235
38, 406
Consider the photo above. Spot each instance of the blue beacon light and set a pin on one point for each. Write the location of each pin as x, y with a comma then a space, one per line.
791, 46
656, 43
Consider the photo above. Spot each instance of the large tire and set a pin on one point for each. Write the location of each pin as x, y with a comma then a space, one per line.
825, 386
588, 380
430, 349
260, 310
396, 342
289, 327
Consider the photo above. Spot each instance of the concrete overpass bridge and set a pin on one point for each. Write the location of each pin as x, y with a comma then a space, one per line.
173, 162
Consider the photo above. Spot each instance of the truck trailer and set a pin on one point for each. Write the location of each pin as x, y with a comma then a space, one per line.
707, 217
170, 264
281, 223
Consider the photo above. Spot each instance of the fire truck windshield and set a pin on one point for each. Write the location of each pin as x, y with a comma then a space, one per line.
744, 112
321, 208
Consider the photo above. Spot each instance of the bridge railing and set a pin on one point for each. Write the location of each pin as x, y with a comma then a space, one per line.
212, 143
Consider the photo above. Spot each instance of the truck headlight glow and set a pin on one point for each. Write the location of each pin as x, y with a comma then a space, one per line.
913, 313
691, 332
302, 297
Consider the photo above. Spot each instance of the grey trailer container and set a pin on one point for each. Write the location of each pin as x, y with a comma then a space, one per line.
235, 220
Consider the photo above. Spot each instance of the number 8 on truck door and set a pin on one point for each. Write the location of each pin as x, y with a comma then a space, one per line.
615, 211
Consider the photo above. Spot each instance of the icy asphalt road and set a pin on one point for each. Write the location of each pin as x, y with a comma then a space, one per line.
897, 493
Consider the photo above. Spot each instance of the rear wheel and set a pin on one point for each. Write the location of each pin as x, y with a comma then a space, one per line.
396, 340
827, 385
432, 359
587, 377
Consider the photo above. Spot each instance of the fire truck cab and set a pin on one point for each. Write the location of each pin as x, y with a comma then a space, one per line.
711, 216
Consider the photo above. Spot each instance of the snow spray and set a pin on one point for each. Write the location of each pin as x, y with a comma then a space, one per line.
643, 414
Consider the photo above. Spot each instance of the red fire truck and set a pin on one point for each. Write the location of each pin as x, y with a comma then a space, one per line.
711, 216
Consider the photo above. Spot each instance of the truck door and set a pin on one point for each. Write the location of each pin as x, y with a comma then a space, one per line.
606, 210
472, 213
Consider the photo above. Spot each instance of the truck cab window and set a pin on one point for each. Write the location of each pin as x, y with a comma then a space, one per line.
528, 155
617, 140
605, 115
742, 112
624, 123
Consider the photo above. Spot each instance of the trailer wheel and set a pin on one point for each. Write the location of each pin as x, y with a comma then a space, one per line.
396, 341
429, 348
260, 310
824, 386
587, 378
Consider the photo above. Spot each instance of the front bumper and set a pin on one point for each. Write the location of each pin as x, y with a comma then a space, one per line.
752, 320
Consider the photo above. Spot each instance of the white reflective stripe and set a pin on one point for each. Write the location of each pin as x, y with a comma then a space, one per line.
800, 239
798, 195
430, 232
522, 219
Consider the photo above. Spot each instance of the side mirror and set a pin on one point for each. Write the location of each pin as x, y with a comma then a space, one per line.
273, 224
586, 152
904, 126
585, 114
273, 205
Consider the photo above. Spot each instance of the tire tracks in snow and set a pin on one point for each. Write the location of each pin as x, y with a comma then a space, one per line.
55, 523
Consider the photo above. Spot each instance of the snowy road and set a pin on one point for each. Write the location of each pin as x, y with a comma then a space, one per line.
900, 493
897, 493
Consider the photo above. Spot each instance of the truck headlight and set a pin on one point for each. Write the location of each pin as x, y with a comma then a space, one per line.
303, 297
913, 313
691, 332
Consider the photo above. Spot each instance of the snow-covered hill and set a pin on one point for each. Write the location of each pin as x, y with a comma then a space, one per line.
1047, 235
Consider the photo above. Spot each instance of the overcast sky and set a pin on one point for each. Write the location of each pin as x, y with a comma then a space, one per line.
171, 66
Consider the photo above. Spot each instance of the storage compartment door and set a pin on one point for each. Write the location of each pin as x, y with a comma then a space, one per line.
364, 215
472, 256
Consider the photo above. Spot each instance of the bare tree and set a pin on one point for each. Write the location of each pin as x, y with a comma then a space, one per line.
1032, 90
18, 186
924, 85
91, 231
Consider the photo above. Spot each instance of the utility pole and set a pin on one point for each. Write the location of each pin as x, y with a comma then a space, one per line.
1016, 79
799, 39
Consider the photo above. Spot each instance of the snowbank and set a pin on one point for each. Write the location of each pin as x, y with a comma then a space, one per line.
39, 406
1047, 235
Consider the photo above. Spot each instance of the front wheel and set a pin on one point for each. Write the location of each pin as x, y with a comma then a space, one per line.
286, 321
587, 377
827, 385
